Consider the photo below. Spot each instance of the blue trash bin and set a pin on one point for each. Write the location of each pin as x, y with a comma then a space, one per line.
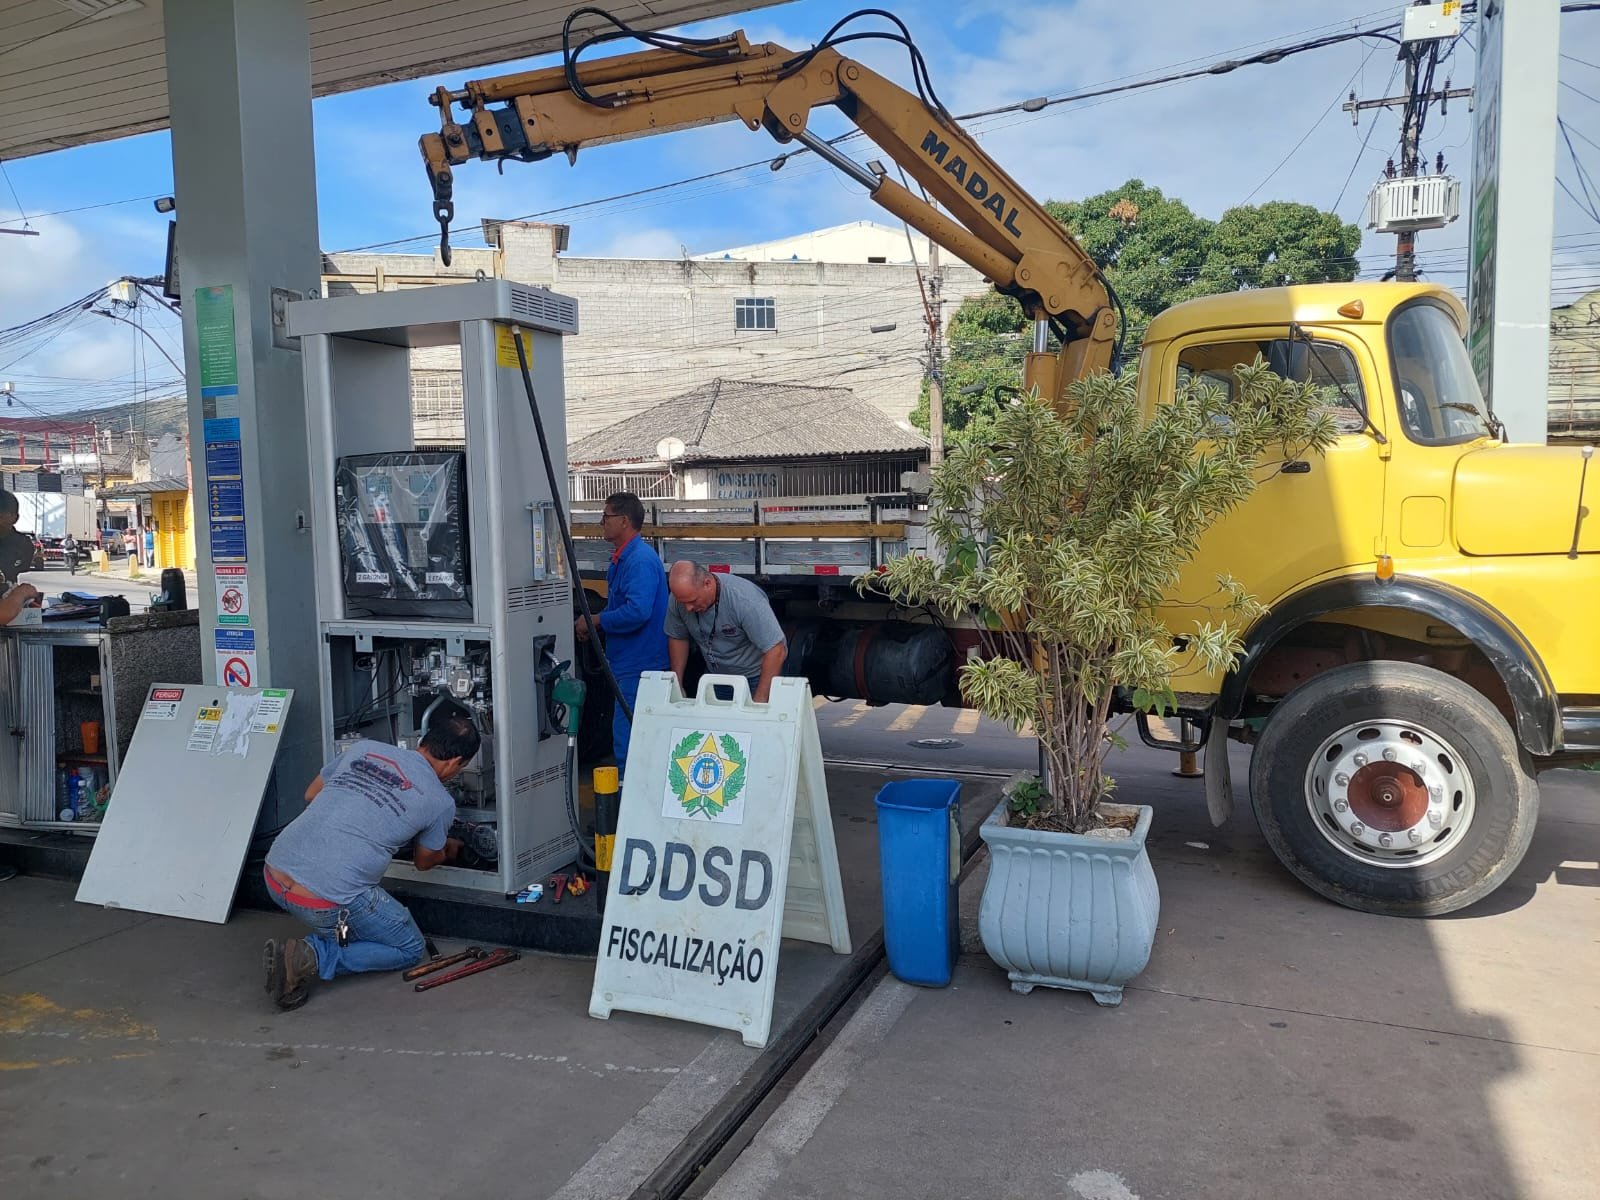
919, 853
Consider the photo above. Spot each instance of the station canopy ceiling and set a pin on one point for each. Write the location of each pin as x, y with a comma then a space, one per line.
78, 71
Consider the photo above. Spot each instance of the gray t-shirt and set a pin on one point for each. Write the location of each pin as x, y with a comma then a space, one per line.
375, 799
734, 632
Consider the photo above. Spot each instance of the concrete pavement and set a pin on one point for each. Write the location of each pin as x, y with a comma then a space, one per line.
1277, 1046
140, 1057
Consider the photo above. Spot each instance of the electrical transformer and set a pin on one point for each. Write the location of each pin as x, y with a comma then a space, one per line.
439, 567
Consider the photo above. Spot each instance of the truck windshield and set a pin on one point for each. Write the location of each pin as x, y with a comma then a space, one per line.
1440, 403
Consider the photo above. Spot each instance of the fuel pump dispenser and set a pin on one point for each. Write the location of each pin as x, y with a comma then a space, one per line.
440, 570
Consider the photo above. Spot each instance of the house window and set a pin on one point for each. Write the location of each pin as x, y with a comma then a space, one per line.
755, 313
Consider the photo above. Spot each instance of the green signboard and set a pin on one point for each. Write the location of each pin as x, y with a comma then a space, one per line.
219, 354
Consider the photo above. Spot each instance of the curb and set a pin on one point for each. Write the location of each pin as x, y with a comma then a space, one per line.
678, 1170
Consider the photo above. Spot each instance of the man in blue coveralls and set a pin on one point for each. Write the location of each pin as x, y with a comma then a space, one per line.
635, 617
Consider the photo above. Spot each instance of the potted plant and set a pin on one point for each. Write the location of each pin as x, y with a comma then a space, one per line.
1061, 537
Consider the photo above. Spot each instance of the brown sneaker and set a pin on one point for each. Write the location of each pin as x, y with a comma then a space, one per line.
299, 973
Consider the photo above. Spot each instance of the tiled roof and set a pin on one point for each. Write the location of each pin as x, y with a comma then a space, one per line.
731, 420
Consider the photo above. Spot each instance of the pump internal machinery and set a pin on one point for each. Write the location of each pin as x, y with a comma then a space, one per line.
439, 569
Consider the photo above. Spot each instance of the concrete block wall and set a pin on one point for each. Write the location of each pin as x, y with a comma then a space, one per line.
652, 328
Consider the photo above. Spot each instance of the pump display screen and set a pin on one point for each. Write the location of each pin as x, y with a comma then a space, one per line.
403, 533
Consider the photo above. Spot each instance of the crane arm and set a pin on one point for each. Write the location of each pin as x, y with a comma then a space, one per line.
988, 220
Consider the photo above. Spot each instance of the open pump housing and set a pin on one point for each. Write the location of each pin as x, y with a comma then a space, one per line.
439, 569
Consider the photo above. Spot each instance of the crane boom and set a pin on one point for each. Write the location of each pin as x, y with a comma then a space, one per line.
992, 223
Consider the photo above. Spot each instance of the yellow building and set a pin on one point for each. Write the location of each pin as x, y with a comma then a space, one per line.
166, 507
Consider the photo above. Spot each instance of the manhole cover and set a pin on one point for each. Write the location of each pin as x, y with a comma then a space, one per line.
935, 743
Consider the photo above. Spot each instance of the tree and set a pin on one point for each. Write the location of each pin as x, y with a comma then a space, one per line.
1155, 253
1060, 537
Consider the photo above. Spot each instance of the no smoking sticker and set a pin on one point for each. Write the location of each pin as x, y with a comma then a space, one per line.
233, 596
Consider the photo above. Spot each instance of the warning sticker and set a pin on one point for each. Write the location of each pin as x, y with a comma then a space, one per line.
372, 577
448, 577
233, 595
505, 348
162, 704
268, 715
236, 657
204, 734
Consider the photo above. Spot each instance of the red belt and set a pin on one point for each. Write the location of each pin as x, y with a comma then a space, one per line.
303, 899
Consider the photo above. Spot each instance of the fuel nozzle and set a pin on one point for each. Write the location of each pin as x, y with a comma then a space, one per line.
561, 696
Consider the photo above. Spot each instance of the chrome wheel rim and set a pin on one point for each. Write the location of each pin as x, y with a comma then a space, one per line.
1390, 793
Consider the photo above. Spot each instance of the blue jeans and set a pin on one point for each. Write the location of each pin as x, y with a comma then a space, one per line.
621, 729
383, 936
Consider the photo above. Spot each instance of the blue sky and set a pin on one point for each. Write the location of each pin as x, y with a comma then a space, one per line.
1260, 133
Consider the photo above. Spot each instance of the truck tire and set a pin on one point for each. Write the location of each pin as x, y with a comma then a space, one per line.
1393, 788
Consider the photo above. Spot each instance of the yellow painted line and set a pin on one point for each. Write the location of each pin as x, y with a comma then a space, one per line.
818, 701
21, 1012
908, 719
861, 709
7, 1065
1159, 725
1026, 731
966, 721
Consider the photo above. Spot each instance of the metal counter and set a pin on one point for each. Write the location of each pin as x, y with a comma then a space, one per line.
47, 689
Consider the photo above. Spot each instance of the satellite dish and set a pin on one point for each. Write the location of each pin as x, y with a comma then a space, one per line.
670, 448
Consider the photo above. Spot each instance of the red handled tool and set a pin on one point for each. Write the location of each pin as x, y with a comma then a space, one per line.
487, 962
439, 964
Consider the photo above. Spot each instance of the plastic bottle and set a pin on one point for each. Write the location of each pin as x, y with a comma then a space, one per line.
63, 793
69, 810
88, 786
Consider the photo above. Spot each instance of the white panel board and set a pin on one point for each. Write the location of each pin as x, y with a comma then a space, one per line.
724, 845
175, 834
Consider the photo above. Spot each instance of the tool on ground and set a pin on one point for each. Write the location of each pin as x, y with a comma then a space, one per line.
439, 964
558, 885
531, 894
487, 962
432, 949
578, 884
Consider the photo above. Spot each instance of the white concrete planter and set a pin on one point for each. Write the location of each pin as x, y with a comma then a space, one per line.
1068, 911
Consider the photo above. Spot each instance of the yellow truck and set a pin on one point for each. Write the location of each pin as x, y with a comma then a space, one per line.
1425, 653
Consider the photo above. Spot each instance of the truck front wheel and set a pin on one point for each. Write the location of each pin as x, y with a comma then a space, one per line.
1393, 788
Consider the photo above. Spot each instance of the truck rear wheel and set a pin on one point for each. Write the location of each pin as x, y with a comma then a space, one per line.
1393, 788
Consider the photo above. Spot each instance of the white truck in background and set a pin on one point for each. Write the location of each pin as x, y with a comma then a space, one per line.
50, 516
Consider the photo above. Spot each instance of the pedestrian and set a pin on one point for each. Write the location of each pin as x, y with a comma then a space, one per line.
16, 549
326, 866
149, 546
635, 616
69, 552
730, 621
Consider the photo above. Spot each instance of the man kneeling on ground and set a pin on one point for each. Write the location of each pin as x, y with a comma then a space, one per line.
326, 865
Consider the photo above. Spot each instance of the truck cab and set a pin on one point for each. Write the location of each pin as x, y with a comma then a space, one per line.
1421, 657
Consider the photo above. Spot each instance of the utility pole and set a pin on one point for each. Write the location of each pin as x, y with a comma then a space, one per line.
935, 318
1409, 200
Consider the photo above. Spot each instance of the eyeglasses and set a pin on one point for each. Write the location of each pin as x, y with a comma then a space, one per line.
607, 516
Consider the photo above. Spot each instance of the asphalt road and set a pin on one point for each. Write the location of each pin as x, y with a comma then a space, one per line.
951, 739
52, 581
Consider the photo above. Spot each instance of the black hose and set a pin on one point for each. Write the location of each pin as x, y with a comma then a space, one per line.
561, 520
585, 854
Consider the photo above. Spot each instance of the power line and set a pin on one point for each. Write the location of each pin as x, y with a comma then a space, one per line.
1361, 153
1030, 106
1315, 125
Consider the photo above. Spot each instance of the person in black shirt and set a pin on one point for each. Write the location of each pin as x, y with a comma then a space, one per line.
16, 549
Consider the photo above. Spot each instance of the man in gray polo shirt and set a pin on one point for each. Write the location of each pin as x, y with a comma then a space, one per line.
730, 622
